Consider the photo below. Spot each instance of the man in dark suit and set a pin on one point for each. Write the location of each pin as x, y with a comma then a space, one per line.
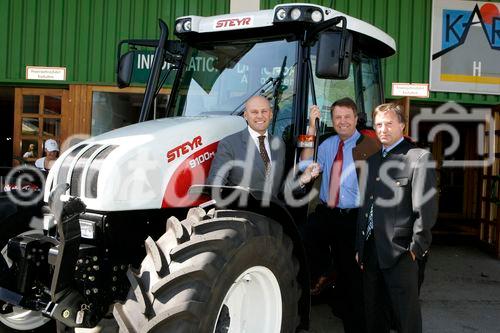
251, 158
394, 225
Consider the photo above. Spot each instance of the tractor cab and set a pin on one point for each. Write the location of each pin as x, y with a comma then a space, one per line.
295, 55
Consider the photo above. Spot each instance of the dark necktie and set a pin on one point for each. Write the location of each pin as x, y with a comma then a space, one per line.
370, 214
263, 153
335, 174
370, 222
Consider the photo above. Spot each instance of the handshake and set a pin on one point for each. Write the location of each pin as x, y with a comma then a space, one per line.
310, 173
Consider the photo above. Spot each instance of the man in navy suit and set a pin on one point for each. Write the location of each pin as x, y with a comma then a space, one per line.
394, 225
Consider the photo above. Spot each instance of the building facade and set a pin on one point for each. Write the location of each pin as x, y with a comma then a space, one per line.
58, 66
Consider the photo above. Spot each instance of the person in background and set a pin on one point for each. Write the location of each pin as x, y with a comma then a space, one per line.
51, 149
331, 229
30, 153
30, 156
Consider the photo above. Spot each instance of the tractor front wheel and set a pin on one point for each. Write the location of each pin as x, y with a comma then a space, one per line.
226, 271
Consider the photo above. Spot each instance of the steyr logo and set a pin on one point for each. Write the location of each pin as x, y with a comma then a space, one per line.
233, 23
184, 148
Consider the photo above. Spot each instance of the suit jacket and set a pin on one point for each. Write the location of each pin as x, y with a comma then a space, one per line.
365, 147
238, 163
405, 223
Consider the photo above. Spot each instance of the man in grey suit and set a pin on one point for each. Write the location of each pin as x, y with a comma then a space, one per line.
251, 158
394, 225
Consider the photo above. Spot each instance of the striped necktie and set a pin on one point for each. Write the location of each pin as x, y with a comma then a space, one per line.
370, 222
369, 229
263, 154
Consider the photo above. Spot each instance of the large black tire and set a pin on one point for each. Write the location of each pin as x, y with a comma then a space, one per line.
186, 273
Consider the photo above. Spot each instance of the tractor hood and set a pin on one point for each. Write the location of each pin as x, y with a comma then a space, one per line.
149, 165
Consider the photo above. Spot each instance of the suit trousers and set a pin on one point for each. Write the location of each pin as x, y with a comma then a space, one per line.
329, 238
390, 292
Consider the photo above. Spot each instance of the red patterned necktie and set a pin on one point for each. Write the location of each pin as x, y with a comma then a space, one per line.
335, 173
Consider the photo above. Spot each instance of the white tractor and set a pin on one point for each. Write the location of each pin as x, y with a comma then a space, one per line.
126, 229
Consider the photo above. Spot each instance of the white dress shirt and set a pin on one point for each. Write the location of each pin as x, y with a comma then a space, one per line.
255, 136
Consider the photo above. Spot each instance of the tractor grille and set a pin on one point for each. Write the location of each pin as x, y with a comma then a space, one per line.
83, 163
66, 164
93, 172
76, 176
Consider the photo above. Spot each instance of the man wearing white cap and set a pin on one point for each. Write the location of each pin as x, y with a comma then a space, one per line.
51, 153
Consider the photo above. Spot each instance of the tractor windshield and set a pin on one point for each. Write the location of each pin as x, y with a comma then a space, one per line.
220, 78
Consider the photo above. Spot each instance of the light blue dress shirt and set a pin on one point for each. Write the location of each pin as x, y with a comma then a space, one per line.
349, 191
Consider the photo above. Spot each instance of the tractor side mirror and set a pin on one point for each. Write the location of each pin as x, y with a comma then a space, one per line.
333, 58
124, 71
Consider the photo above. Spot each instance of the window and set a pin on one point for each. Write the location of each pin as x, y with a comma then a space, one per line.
370, 87
112, 108
328, 91
38, 116
219, 79
362, 85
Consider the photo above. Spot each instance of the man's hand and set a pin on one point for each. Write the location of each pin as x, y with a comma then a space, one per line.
357, 260
310, 173
413, 257
314, 113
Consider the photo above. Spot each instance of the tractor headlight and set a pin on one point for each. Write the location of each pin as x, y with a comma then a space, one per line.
281, 14
87, 229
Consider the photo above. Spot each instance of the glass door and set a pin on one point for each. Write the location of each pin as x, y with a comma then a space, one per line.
38, 117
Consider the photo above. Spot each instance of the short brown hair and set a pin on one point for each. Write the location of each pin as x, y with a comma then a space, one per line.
396, 108
347, 103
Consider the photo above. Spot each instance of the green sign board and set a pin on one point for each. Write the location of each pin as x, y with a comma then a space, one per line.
202, 69
143, 61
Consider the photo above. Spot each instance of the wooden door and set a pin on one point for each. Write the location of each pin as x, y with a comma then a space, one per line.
489, 233
459, 188
38, 116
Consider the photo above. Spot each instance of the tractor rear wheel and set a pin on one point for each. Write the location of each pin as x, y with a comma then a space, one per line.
226, 271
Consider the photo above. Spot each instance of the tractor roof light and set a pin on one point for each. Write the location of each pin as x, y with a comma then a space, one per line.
183, 25
178, 27
281, 14
316, 16
295, 14
298, 13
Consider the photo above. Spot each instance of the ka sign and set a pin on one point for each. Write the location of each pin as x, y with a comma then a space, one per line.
465, 47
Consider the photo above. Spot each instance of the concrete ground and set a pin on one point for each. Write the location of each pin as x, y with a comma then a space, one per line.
461, 293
